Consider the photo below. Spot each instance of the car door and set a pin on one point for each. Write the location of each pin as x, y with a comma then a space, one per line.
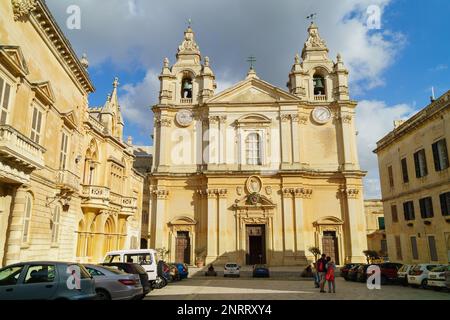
9, 280
39, 283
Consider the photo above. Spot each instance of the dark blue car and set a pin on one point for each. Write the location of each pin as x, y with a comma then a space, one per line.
261, 271
183, 270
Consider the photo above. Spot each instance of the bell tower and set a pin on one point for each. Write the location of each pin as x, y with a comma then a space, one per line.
315, 77
187, 82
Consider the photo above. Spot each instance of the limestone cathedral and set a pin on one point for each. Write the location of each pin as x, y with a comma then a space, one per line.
256, 174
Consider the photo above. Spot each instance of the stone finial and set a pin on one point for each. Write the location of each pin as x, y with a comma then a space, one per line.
108, 98
297, 58
130, 140
84, 61
166, 62
206, 61
116, 82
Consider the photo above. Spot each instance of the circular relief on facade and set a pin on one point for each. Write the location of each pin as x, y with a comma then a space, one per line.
254, 185
185, 118
321, 115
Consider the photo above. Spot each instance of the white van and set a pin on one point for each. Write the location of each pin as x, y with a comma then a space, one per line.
145, 257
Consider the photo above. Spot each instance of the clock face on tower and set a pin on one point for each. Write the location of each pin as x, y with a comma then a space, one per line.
185, 118
321, 115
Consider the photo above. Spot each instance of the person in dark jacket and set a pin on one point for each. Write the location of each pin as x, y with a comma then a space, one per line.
322, 270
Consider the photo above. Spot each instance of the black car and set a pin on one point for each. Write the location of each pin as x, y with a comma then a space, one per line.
361, 273
345, 269
352, 273
133, 268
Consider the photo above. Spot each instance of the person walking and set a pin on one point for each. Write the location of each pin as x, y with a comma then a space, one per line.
330, 276
315, 274
322, 270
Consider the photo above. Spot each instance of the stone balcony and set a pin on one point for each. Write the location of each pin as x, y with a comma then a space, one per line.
186, 100
19, 155
129, 205
320, 98
66, 180
95, 197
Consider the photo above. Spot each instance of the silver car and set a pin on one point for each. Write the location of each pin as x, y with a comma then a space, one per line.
46, 281
113, 284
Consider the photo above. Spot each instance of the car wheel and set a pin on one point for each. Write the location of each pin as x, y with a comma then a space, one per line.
424, 284
102, 294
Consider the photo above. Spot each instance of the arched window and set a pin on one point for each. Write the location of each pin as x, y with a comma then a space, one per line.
253, 147
55, 223
186, 88
27, 218
319, 85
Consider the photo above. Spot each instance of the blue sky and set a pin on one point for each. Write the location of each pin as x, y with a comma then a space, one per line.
391, 69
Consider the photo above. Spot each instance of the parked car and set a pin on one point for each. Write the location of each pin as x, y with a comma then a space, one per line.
436, 277
46, 281
402, 274
174, 273
133, 268
231, 269
114, 284
261, 270
361, 273
346, 268
353, 272
183, 269
389, 271
144, 257
418, 275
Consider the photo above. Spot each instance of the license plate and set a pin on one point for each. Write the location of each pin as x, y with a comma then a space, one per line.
413, 278
432, 277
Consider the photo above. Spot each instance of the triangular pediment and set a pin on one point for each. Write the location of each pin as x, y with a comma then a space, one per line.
14, 60
44, 92
252, 91
70, 120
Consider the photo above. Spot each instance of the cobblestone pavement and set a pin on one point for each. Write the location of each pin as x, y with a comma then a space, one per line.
277, 289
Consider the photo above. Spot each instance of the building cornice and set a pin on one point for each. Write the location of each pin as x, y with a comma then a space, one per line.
37, 12
434, 109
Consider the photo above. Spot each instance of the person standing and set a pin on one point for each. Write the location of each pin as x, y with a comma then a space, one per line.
315, 274
330, 276
322, 270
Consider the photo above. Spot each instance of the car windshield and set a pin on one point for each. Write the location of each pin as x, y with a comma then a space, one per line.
431, 267
9, 276
112, 258
404, 268
232, 265
113, 270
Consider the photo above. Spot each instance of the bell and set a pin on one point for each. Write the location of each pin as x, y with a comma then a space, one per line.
318, 84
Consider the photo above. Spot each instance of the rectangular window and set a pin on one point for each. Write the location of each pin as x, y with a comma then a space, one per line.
5, 90
36, 125
445, 204
420, 163
433, 250
63, 151
440, 155
398, 248
405, 171
391, 176
394, 213
408, 208
381, 225
415, 252
27, 218
426, 208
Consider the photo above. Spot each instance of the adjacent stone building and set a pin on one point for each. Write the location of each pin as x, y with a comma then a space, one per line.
376, 233
415, 184
256, 173
67, 187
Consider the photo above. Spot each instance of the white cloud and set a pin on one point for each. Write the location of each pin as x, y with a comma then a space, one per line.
374, 120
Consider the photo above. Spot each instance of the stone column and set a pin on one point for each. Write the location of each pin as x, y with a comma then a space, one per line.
14, 240
224, 235
223, 139
302, 123
288, 223
5, 211
214, 141
212, 245
160, 219
299, 222
357, 239
285, 140
295, 139
164, 124
349, 140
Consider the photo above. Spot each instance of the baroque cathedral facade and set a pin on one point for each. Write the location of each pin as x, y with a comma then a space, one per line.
256, 174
